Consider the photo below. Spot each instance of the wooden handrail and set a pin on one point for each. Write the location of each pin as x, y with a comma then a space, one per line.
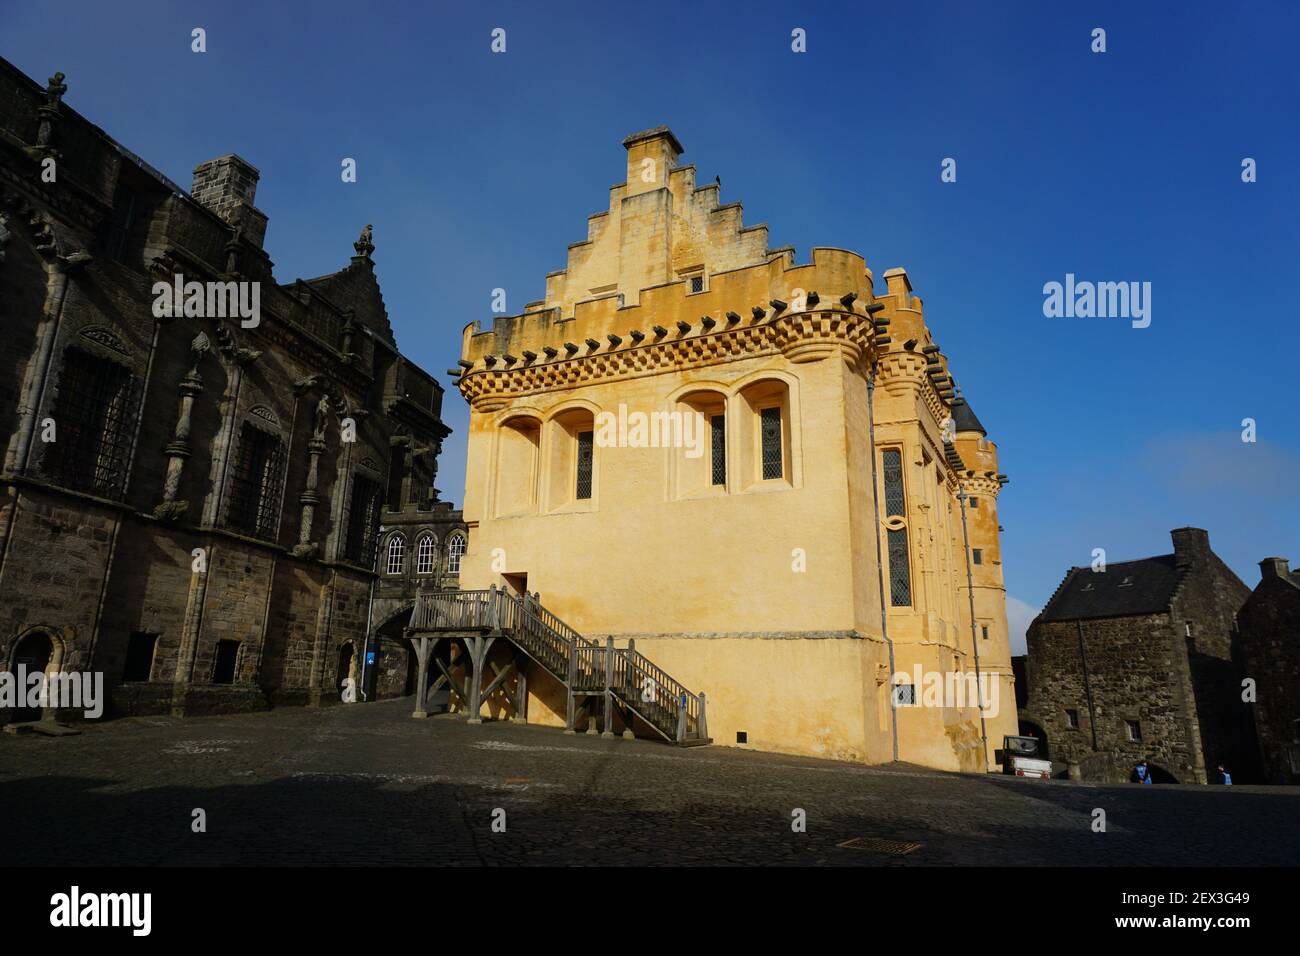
581, 663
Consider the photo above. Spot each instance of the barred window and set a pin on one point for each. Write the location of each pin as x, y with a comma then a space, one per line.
771, 433
974, 502
396, 562
456, 551
893, 459
904, 695
424, 553
977, 555
256, 483
585, 453
718, 424
94, 412
900, 574
363, 521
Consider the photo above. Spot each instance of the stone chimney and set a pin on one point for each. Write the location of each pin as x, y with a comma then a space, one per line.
650, 154
1191, 546
226, 186
1274, 568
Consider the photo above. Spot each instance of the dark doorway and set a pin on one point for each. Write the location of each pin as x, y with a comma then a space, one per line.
33, 654
345, 667
517, 583
227, 657
1030, 729
139, 657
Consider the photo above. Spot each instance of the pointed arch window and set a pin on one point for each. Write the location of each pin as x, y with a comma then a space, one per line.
425, 550
396, 560
455, 551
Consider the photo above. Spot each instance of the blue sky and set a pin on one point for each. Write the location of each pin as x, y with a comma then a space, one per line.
477, 170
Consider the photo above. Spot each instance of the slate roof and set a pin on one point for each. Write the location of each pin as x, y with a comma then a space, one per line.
963, 418
1123, 589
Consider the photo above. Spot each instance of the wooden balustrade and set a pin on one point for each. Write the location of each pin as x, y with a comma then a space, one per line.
581, 664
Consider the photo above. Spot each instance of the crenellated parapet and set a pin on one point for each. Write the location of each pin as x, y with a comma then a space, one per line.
773, 307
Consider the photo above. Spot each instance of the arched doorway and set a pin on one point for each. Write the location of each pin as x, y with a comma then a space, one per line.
346, 670
1158, 774
1030, 729
32, 654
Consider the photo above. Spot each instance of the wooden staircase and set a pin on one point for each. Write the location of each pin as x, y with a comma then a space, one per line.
589, 671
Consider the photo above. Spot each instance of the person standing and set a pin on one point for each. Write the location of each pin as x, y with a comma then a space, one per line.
1143, 771
1225, 777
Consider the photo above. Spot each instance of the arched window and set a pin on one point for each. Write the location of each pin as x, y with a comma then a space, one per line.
425, 550
396, 562
455, 551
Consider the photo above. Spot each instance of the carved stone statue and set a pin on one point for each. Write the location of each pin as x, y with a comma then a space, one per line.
365, 245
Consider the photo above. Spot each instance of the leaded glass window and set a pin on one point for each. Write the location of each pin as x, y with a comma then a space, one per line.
894, 504
396, 562
455, 551
718, 435
363, 521
256, 482
585, 453
770, 422
424, 552
94, 412
900, 575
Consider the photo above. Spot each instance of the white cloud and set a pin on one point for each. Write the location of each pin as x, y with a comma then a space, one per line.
1019, 616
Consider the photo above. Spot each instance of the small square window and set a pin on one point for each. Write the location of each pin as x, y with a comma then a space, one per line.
977, 555
904, 695
697, 284
742, 736
974, 502
984, 631
1134, 729
1072, 719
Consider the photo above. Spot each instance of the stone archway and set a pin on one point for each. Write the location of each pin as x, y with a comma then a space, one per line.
1031, 728
36, 650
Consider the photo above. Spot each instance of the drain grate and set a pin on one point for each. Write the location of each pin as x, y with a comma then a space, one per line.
873, 845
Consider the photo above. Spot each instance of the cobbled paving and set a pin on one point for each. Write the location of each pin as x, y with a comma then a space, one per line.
367, 784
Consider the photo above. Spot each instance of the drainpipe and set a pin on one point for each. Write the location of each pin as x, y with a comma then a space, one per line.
370, 610
970, 594
1087, 687
880, 557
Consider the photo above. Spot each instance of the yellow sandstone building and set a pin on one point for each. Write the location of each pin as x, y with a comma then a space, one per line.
696, 446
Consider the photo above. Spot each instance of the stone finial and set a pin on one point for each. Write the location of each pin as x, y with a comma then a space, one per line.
365, 244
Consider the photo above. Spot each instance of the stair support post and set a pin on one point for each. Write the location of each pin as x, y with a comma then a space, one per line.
422, 656
704, 721
521, 688
609, 696
681, 717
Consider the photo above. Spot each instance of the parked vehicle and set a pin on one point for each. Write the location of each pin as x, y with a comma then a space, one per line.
1020, 758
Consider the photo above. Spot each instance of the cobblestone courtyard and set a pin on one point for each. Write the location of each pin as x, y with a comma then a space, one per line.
367, 784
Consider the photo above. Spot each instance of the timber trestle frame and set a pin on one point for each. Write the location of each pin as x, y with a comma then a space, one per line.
595, 677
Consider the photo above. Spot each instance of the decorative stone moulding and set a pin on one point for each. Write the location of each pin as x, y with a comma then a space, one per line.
801, 337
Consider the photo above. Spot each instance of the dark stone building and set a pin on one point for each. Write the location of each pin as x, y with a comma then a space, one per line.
1268, 625
1138, 661
193, 487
